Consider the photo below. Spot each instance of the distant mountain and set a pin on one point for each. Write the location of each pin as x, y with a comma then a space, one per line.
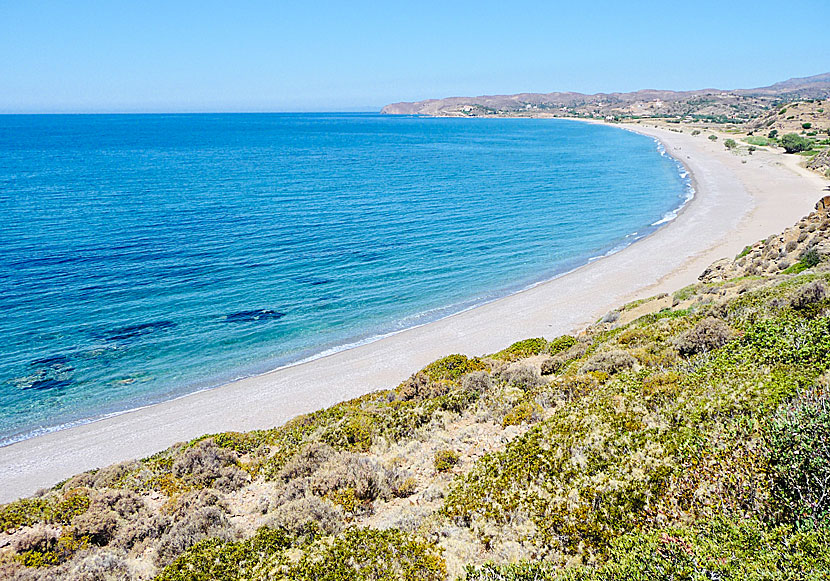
703, 104
815, 87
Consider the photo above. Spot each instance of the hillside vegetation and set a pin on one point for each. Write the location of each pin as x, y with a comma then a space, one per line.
682, 437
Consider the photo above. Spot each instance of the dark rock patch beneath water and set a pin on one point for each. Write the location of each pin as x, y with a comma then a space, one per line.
48, 383
57, 361
312, 281
254, 315
133, 331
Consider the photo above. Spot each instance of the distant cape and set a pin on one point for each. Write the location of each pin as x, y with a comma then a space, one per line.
737, 103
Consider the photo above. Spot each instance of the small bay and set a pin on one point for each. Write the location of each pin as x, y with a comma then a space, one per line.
147, 256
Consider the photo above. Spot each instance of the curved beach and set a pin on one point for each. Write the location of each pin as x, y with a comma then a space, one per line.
739, 199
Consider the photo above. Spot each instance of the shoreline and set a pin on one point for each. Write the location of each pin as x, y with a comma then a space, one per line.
358, 341
730, 207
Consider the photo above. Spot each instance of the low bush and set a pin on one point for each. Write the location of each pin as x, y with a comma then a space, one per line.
809, 294
55, 509
452, 367
358, 554
525, 412
477, 382
711, 333
365, 477
307, 461
207, 464
609, 362
101, 566
799, 457
551, 365
98, 526
405, 487
194, 526
371, 555
217, 560
445, 460
308, 515
522, 375
523, 349
561, 344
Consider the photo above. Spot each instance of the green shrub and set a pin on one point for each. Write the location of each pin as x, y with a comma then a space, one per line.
522, 349
452, 367
523, 571
730, 144
794, 143
720, 548
445, 459
561, 343
773, 134
54, 509
359, 554
370, 555
806, 125
808, 259
524, 413
713, 138
216, 560
799, 457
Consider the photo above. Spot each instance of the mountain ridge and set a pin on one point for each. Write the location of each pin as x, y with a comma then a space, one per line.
730, 105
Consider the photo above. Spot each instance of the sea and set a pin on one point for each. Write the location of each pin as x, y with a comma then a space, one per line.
143, 257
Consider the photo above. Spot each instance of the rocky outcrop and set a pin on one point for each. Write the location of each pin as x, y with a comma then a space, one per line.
821, 163
795, 248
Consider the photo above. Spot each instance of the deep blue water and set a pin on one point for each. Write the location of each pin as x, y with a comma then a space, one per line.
144, 256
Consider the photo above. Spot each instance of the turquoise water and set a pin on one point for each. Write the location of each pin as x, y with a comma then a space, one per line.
145, 256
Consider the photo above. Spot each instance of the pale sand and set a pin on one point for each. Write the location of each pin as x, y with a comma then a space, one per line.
736, 204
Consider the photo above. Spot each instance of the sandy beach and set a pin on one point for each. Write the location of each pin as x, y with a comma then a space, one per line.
740, 199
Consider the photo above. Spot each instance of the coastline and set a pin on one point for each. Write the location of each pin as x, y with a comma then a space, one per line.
738, 201
416, 320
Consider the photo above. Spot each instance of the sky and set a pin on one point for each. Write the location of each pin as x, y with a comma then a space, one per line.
205, 56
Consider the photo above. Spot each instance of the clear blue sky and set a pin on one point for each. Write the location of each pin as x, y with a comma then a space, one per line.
181, 55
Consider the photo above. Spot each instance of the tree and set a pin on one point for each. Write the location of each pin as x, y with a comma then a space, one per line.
793, 143
773, 134
730, 144
806, 125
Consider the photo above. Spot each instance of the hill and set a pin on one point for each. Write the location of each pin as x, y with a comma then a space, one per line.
683, 436
810, 118
713, 105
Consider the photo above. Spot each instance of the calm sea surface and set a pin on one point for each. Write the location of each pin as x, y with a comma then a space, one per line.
145, 256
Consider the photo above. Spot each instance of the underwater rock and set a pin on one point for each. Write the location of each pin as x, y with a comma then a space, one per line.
53, 361
49, 383
132, 331
254, 315
312, 281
